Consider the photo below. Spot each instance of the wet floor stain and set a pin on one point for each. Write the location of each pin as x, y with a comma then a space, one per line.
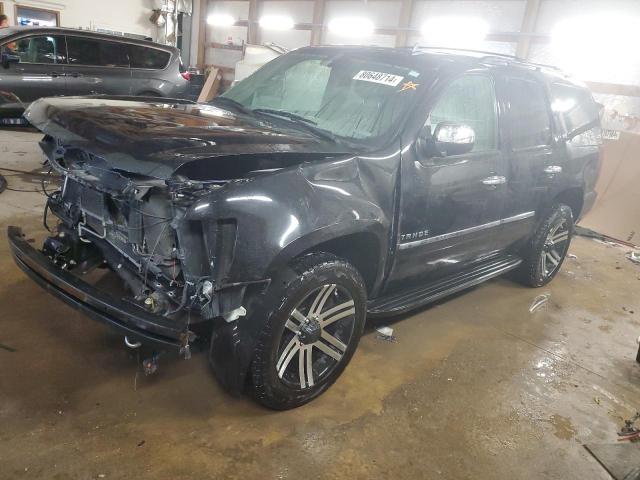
605, 328
562, 427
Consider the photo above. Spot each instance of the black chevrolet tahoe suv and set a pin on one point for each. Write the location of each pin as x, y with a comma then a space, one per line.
333, 184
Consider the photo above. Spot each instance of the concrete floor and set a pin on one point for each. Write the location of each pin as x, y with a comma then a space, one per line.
475, 387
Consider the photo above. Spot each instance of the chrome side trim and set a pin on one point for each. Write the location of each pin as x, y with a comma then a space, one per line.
466, 231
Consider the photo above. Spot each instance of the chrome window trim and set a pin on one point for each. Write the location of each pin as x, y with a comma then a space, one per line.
466, 231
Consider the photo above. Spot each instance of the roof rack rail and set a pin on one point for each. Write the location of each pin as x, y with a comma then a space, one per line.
487, 56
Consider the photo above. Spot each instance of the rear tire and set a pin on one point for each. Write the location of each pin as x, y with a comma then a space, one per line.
548, 247
314, 323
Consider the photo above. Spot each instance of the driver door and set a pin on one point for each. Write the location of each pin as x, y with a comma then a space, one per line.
40, 72
451, 205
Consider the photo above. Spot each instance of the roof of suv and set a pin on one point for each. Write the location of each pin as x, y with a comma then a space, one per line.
443, 56
10, 31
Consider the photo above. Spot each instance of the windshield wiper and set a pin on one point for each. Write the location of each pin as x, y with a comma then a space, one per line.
307, 123
230, 102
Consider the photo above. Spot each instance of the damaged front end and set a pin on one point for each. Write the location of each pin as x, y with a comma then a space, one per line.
136, 226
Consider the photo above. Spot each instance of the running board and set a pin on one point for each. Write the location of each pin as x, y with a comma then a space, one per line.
424, 294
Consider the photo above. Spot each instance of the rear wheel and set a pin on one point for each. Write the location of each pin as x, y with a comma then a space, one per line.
311, 333
548, 247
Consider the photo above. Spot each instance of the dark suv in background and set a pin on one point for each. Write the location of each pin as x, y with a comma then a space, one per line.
332, 184
44, 62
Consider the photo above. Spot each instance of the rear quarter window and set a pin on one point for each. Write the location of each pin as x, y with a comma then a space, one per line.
146, 57
575, 109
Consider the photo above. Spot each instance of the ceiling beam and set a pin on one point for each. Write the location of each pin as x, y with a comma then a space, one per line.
406, 11
202, 32
318, 22
614, 89
253, 29
529, 20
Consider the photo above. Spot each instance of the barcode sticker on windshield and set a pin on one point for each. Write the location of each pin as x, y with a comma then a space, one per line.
378, 77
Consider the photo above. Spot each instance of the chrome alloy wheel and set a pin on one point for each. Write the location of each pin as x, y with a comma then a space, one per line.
317, 332
555, 247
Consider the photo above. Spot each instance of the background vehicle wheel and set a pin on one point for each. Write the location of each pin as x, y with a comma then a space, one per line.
548, 247
311, 333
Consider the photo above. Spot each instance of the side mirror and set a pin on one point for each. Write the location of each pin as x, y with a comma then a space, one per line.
426, 145
454, 138
8, 59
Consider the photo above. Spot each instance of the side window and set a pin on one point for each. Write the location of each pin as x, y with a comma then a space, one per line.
470, 100
87, 51
144, 57
113, 54
83, 51
528, 117
41, 49
575, 108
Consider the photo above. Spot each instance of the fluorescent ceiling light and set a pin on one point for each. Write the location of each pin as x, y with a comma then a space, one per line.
591, 45
220, 20
276, 22
351, 26
455, 31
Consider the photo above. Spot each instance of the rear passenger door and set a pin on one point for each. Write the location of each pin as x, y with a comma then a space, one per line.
97, 67
530, 153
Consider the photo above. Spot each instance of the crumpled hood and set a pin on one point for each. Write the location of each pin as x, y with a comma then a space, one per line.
159, 138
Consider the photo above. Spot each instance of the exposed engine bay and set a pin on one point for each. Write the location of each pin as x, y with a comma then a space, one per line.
136, 226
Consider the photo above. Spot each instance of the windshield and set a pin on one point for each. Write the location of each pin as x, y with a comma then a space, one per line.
354, 97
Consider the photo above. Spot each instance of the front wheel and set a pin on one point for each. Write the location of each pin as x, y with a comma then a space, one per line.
311, 333
548, 247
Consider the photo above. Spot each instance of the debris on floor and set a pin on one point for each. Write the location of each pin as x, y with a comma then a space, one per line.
385, 333
630, 432
572, 256
634, 257
539, 302
7, 348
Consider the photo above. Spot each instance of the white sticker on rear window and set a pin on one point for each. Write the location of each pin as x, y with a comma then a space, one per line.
378, 77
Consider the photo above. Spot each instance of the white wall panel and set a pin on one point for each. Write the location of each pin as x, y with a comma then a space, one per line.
377, 40
290, 39
131, 16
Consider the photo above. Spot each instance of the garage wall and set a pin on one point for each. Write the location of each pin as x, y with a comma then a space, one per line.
130, 16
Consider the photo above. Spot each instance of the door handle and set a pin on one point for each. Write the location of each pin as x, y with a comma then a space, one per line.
553, 169
494, 180
75, 74
56, 74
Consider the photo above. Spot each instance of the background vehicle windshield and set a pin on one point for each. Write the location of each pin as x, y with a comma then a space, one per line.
353, 97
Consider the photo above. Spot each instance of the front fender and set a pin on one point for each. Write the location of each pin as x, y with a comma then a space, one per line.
280, 215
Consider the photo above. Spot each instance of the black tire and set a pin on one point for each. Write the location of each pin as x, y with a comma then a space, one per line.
297, 305
548, 247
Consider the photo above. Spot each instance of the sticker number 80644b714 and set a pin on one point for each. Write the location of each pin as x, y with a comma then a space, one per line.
378, 77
